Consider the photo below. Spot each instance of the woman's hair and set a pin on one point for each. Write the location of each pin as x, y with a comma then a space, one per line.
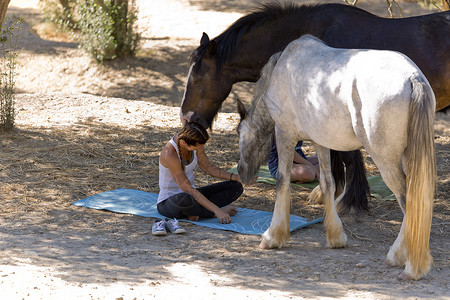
193, 134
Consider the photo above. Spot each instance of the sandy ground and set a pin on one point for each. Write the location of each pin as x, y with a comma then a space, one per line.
84, 129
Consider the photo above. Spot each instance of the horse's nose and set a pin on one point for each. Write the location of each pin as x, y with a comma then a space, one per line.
199, 119
185, 117
240, 168
243, 175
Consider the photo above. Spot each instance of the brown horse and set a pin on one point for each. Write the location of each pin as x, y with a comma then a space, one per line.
240, 52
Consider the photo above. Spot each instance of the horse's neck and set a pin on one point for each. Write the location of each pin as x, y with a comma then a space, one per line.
260, 114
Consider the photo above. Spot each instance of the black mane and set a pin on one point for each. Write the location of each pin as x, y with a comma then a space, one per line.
229, 40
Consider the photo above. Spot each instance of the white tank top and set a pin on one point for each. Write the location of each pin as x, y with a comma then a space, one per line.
167, 185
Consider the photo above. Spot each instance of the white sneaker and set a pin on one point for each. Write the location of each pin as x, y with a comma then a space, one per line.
172, 226
159, 228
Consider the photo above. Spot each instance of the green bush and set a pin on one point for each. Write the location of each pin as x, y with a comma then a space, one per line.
104, 28
60, 12
8, 61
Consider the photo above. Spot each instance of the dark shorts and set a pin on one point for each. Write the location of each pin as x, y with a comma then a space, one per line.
273, 158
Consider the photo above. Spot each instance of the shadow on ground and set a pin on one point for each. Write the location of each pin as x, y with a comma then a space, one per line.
44, 170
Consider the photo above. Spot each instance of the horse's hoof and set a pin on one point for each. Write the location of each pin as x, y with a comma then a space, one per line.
409, 273
271, 243
316, 196
335, 245
395, 258
405, 277
341, 242
264, 245
390, 263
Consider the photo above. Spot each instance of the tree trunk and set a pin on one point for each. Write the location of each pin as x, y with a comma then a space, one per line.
3, 8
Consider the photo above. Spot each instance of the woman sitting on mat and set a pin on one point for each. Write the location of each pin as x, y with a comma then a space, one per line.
304, 169
178, 197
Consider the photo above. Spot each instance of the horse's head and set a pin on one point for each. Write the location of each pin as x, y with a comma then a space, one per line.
256, 127
255, 136
208, 85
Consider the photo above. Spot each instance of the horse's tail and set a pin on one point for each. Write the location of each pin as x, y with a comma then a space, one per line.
420, 178
353, 179
338, 171
357, 188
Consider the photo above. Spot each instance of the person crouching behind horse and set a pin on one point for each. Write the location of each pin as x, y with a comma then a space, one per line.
304, 169
178, 197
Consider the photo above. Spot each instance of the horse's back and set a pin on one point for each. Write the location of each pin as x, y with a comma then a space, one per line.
308, 63
424, 39
342, 89
305, 78
386, 75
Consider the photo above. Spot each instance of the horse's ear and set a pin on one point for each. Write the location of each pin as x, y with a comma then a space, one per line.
205, 39
241, 109
212, 48
212, 45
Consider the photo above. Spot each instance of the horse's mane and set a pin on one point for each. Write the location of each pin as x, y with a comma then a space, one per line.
229, 40
263, 83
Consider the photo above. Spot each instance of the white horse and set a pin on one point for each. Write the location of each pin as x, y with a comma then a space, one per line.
345, 99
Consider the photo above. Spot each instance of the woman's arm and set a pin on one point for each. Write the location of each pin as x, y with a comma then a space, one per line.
300, 160
212, 170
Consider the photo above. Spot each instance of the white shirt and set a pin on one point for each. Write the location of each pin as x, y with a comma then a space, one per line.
167, 185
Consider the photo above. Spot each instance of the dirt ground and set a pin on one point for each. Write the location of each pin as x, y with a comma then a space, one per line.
83, 129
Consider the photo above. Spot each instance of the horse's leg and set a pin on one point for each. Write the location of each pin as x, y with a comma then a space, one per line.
336, 237
392, 173
277, 235
337, 167
397, 255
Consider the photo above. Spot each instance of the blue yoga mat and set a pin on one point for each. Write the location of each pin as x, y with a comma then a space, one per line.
143, 204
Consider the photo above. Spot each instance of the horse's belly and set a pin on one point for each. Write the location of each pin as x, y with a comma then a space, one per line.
342, 140
332, 129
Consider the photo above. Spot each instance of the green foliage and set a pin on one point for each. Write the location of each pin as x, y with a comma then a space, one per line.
8, 61
96, 31
104, 28
61, 13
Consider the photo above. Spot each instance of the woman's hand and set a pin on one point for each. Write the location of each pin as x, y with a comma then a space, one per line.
224, 218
